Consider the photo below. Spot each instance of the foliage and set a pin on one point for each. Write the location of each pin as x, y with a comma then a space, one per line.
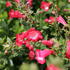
28, 18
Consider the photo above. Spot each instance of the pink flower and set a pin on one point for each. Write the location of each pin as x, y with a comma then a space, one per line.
29, 46
45, 5
8, 4
34, 35
29, 2
48, 43
68, 0
39, 58
18, 1
31, 55
52, 67
15, 14
68, 49
50, 20
41, 54
61, 20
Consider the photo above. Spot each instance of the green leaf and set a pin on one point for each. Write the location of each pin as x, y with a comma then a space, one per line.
24, 66
58, 61
33, 66
4, 15
17, 28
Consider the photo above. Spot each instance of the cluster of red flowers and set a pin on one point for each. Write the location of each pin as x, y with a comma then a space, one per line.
46, 6
34, 35
14, 13
30, 35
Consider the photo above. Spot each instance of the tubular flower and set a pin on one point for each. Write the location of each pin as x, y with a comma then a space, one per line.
45, 5
30, 35
29, 3
68, 50
41, 54
8, 4
15, 14
34, 35
31, 55
61, 20
29, 46
19, 40
48, 43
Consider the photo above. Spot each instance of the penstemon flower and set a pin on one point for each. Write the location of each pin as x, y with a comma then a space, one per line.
31, 55
30, 3
8, 4
30, 35
15, 14
61, 20
50, 20
42, 54
29, 46
34, 35
68, 49
45, 5
48, 43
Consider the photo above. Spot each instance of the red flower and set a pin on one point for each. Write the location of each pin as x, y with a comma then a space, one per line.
31, 55
18, 1
48, 43
50, 20
52, 67
41, 54
19, 40
30, 47
8, 4
34, 35
39, 58
68, 50
61, 20
15, 14
45, 5
29, 2
30, 35
11, 13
